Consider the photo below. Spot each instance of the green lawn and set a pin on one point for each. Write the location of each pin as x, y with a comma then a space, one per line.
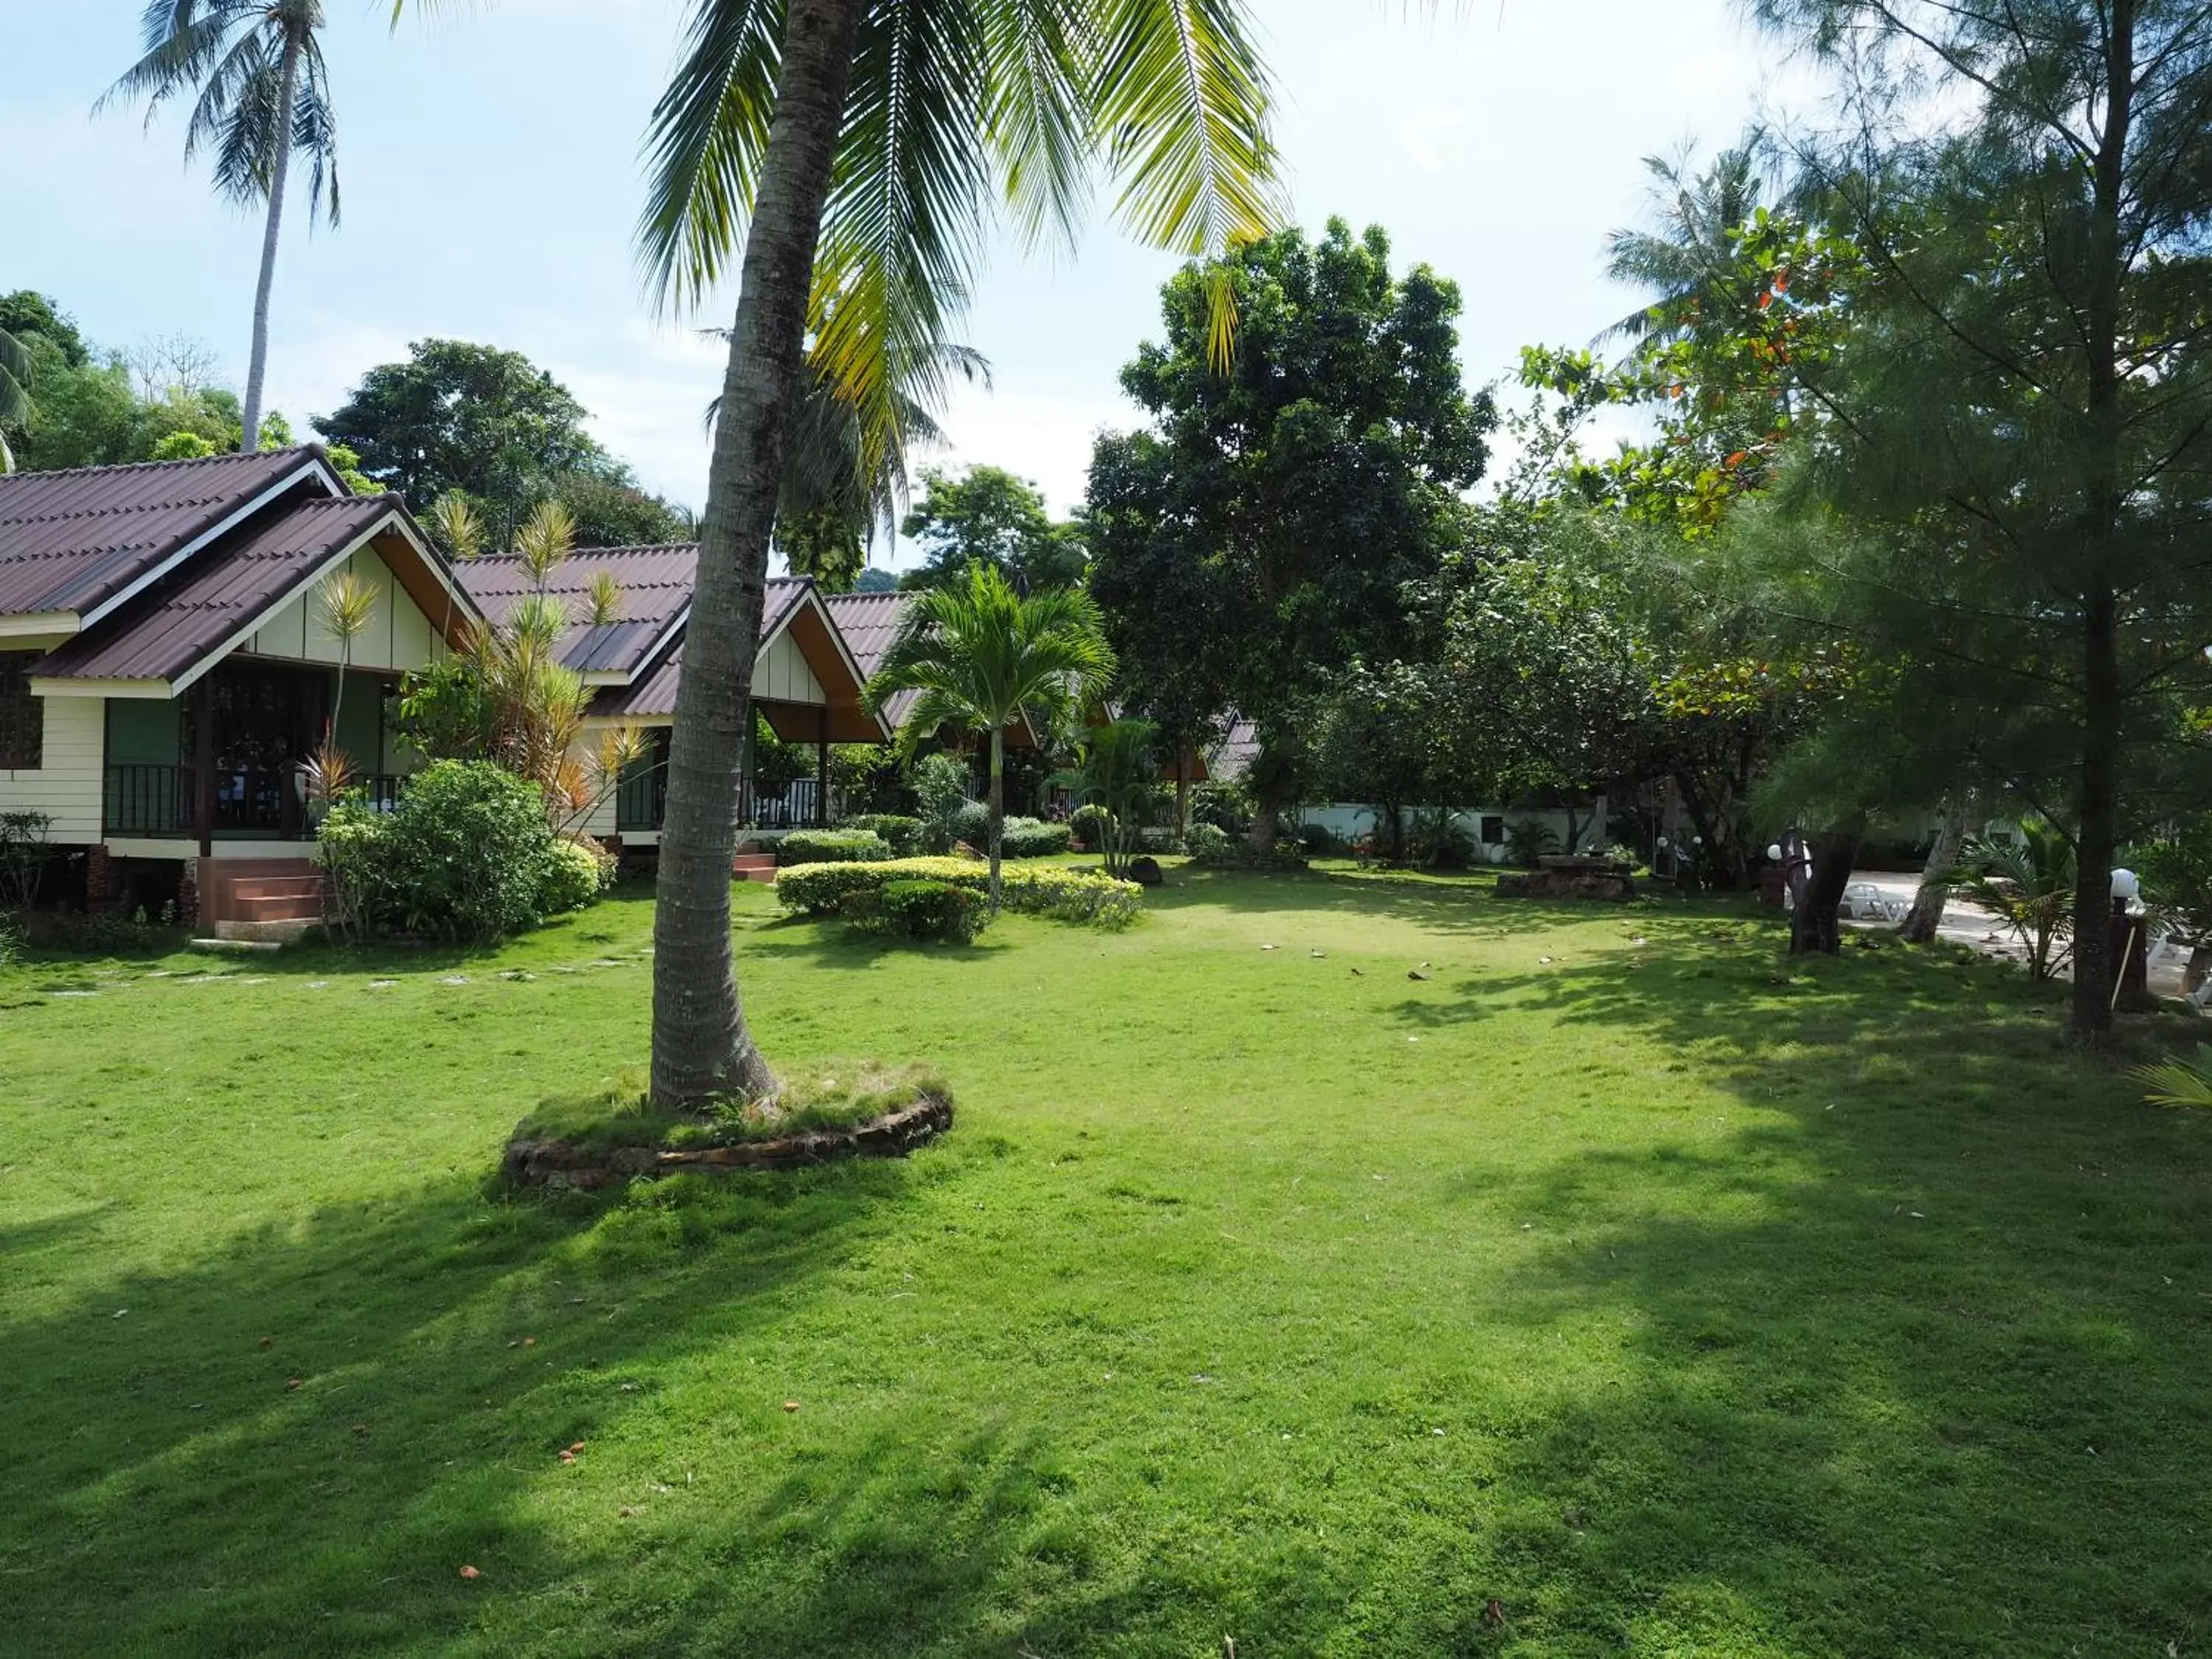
1684, 1301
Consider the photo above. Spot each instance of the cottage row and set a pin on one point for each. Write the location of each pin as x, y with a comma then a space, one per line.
164, 671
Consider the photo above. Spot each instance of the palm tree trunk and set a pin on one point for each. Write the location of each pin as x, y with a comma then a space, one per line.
998, 806
1925, 918
280, 170
701, 1046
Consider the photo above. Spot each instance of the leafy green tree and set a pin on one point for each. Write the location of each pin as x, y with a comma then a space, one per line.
260, 92
981, 653
988, 515
493, 426
1290, 497
2017, 434
857, 154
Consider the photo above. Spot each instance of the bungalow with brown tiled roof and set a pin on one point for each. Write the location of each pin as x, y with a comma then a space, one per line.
164, 671
806, 682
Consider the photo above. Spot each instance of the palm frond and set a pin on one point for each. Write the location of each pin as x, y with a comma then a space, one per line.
1042, 56
15, 380
2177, 1082
704, 145
1180, 98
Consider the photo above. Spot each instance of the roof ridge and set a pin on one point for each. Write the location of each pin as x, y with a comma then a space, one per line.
225, 456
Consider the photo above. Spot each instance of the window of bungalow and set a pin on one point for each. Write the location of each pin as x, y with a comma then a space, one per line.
22, 717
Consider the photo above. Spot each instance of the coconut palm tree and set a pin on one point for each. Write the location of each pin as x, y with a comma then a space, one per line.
847, 158
1689, 261
260, 92
980, 654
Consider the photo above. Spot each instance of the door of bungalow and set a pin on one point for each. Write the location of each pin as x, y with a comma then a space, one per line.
265, 718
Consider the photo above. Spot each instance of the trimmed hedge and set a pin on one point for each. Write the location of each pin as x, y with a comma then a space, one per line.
917, 909
902, 832
1052, 889
1031, 838
832, 846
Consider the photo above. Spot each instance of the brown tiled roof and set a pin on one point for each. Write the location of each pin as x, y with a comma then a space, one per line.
74, 541
165, 632
870, 622
655, 583
652, 695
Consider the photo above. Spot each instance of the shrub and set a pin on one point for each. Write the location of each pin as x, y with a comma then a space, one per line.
847, 846
1321, 842
11, 944
1206, 840
1048, 889
970, 822
902, 833
1088, 824
573, 875
1237, 854
919, 909
1031, 838
466, 854
940, 786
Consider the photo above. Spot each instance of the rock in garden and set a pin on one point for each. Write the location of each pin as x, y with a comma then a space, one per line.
1146, 872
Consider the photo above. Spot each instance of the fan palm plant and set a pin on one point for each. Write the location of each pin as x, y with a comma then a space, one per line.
260, 92
849, 157
980, 654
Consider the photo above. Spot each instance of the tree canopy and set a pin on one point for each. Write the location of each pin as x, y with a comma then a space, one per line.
1279, 508
986, 515
492, 425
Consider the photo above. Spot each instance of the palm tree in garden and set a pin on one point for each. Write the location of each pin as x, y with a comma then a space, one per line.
260, 92
857, 151
980, 654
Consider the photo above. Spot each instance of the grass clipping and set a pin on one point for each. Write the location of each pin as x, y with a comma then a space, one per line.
826, 1111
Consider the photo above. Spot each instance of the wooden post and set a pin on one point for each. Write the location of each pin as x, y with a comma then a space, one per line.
203, 764
822, 765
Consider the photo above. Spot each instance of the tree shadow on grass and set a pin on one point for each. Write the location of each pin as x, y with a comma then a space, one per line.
316, 1426
1914, 1339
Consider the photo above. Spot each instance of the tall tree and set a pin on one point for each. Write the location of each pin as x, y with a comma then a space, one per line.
261, 93
1291, 496
2020, 429
988, 515
981, 653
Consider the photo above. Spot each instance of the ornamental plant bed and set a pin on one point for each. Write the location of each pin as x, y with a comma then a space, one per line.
1053, 890
861, 1110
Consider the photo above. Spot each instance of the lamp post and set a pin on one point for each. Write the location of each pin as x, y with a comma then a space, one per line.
2128, 948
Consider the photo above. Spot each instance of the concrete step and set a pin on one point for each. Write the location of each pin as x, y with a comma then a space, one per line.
253, 887
257, 935
276, 909
233, 869
764, 876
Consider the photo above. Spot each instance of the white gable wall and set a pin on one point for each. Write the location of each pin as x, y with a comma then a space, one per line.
781, 674
398, 636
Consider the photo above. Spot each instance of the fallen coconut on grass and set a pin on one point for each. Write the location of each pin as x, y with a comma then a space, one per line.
843, 1109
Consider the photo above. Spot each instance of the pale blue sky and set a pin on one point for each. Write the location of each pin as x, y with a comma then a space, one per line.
489, 162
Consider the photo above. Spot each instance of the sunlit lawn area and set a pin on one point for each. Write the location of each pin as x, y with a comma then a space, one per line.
1679, 1300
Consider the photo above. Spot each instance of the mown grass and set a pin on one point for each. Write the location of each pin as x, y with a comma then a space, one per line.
1685, 1301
